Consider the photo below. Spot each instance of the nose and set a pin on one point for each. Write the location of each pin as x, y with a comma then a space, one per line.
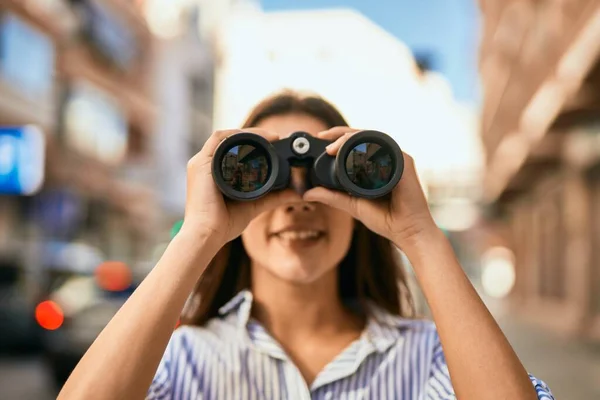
299, 180
300, 206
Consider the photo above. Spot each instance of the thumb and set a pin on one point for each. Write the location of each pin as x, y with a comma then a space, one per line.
335, 199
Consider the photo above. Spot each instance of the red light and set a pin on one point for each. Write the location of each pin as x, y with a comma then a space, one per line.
113, 276
49, 315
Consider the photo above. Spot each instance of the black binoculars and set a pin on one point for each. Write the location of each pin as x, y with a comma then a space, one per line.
246, 166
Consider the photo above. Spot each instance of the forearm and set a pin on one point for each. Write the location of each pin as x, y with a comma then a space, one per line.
123, 359
481, 362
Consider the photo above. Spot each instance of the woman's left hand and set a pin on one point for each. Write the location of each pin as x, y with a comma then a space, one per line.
403, 217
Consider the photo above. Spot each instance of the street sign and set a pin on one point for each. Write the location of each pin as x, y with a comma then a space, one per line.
22, 159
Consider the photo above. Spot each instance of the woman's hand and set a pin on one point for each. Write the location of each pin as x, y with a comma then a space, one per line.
207, 212
476, 348
403, 217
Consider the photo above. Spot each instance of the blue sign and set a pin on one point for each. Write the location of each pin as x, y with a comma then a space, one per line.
22, 151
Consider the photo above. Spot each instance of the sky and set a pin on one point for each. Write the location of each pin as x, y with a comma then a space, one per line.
444, 30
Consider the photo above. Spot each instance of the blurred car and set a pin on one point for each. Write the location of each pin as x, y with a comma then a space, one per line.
75, 310
19, 334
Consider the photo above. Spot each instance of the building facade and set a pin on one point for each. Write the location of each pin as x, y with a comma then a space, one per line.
541, 77
183, 87
79, 71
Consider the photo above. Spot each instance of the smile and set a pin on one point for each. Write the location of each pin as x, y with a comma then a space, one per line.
300, 235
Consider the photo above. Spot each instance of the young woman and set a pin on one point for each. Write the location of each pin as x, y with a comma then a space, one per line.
300, 295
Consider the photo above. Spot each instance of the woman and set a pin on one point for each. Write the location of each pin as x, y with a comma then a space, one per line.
299, 295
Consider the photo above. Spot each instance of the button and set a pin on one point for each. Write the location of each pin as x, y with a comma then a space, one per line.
301, 145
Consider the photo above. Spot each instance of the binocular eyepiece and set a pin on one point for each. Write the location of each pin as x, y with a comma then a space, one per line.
246, 166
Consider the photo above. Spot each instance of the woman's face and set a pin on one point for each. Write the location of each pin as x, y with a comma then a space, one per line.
299, 242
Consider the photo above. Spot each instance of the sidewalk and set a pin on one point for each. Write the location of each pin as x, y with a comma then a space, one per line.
570, 367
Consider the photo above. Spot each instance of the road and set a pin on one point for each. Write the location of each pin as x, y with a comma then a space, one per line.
570, 367
25, 379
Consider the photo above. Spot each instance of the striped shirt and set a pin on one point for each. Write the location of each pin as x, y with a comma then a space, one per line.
234, 358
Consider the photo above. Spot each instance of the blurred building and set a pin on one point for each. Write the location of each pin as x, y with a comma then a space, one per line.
364, 70
183, 86
541, 132
80, 70
263, 52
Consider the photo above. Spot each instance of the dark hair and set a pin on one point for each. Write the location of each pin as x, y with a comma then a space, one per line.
371, 271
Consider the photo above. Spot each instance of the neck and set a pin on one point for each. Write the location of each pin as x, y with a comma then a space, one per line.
292, 310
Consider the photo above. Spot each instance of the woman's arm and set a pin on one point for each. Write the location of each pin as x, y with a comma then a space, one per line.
480, 359
122, 361
481, 362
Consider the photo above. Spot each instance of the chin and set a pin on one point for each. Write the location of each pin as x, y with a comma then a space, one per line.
298, 277
299, 271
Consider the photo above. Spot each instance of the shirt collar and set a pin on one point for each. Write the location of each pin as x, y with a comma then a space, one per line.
383, 328
241, 305
382, 331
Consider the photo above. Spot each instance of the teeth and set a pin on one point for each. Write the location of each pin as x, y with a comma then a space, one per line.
299, 235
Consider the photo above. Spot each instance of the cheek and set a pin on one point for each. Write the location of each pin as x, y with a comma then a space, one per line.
254, 238
340, 234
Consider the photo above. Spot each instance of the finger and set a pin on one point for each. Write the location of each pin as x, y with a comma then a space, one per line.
334, 133
269, 135
409, 161
334, 147
217, 137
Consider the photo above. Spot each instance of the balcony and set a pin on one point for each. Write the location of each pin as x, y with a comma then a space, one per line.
533, 89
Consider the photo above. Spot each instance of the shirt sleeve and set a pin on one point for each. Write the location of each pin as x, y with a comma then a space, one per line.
161, 386
439, 386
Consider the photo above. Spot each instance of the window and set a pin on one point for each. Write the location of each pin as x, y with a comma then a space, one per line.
201, 111
26, 57
95, 123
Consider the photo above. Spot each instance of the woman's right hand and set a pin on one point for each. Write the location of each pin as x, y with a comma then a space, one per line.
112, 367
207, 211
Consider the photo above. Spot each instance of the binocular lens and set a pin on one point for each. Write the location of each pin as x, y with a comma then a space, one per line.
245, 168
369, 166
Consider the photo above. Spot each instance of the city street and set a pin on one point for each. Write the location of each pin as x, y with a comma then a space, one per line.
103, 103
25, 379
571, 368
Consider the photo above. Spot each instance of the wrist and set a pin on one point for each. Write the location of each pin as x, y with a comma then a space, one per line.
421, 241
200, 232
197, 239
187, 256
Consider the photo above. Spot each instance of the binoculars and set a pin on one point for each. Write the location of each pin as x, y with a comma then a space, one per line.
246, 166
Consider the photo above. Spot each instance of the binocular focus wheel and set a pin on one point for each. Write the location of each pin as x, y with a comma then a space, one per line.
301, 145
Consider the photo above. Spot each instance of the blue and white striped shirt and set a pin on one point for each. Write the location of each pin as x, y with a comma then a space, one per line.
235, 358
